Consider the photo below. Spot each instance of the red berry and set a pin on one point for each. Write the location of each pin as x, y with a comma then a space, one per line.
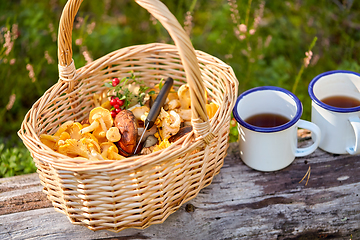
115, 82
113, 102
113, 113
120, 102
117, 110
116, 106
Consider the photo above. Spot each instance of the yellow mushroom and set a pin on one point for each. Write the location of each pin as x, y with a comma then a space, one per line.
185, 114
168, 123
172, 104
63, 136
73, 147
173, 95
93, 148
140, 111
113, 134
110, 151
99, 118
91, 144
74, 130
63, 127
211, 109
184, 96
48, 137
106, 105
49, 140
53, 142
90, 136
97, 100
162, 145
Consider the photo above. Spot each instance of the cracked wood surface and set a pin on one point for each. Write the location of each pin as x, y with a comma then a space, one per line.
241, 203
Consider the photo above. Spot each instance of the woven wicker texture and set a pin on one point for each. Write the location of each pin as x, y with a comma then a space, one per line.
140, 190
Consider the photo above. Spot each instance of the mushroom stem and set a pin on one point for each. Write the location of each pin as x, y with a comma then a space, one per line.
49, 137
95, 154
102, 124
90, 128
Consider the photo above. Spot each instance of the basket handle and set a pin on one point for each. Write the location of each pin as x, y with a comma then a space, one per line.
67, 71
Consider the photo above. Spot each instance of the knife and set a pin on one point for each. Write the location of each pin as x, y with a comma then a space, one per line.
156, 107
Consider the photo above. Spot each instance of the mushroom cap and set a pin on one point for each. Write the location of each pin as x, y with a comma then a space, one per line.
49, 140
74, 130
100, 134
90, 144
63, 127
126, 122
73, 147
90, 136
172, 95
106, 145
168, 123
113, 134
185, 114
110, 151
211, 109
106, 105
140, 111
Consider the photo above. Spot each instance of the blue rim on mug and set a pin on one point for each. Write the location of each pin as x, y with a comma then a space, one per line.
323, 105
294, 120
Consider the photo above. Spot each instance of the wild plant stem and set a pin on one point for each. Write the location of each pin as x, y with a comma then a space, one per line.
248, 12
248, 70
298, 76
297, 79
192, 6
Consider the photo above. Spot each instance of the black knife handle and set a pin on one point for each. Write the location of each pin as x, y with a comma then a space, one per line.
158, 103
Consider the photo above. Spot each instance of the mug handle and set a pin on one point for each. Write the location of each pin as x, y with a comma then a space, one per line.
300, 152
355, 123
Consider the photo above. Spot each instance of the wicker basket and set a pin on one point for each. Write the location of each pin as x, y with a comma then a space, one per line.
141, 190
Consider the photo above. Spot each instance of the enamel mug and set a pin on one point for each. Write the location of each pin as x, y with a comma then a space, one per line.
271, 148
340, 127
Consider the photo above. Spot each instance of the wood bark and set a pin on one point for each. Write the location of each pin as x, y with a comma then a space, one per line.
241, 203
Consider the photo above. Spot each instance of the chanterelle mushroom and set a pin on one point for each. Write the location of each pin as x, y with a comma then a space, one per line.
211, 109
185, 114
100, 121
172, 104
63, 127
74, 130
53, 142
110, 151
140, 111
184, 96
73, 147
168, 124
113, 134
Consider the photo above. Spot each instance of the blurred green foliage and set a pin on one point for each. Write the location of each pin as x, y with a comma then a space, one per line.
15, 160
270, 50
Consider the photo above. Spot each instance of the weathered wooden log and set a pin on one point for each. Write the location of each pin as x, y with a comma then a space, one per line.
241, 203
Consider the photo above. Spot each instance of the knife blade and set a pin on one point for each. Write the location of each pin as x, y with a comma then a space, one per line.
156, 107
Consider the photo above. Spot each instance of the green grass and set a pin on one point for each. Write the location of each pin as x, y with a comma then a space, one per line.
15, 159
273, 54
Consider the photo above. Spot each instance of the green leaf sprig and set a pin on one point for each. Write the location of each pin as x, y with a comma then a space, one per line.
123, 93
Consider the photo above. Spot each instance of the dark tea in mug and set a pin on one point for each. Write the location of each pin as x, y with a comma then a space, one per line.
341, 101
267, 120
